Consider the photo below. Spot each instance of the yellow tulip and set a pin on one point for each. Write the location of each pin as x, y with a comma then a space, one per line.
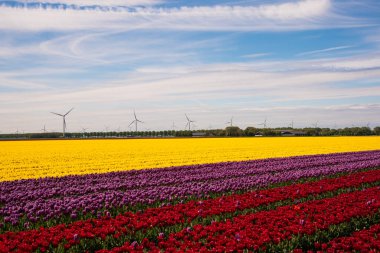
57, 158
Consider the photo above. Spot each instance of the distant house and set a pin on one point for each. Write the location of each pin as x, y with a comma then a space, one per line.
292, 133
198, 134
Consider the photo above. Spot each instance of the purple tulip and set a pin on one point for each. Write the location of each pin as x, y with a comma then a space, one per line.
51, 198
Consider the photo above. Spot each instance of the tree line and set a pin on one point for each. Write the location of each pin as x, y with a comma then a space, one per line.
228, 131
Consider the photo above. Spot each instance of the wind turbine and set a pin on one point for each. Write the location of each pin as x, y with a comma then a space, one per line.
64, 119
174, 126
292, 124
230, 122
189, 121
135, 121
315, 125
44, 129
264, 123
84, 131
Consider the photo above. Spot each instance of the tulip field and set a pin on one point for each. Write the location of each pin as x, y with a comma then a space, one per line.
296, 194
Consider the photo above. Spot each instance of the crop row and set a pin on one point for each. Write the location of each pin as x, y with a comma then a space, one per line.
76, 196
26, 159
130, 223
364, 241
74, 185
255, 231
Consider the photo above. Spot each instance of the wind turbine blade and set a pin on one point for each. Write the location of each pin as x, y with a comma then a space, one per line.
187, 117
57, 114
140, 121
134, 113
131, 123
69, 111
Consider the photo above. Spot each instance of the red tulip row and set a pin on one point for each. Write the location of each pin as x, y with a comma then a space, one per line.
363, 241
129, 223
254, 231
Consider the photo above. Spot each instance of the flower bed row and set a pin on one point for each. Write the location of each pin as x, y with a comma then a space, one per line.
46, 199
363, 241
129, 223
74, 185
255, 231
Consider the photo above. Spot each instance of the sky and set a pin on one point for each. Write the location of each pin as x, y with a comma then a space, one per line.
308, 61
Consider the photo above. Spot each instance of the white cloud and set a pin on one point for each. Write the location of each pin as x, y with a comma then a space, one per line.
257, 55
217, 82
371, 61
99, 2
163, 73
324, 50
11, 80
307, 14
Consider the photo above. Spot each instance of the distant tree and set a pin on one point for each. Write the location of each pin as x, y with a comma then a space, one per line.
325, 132
312, 131
270, 132
376, 130
233, 131
333, 132
250, 131
364, 131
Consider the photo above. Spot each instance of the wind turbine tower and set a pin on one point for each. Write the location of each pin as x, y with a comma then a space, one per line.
44, 129
64, 119
230, 122
189, 121
264, 124
84, 131
135, 121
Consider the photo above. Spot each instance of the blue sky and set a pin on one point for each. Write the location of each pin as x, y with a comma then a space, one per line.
307, 61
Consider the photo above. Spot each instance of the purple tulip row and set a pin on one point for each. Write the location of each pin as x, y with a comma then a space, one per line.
92, 183
50, 198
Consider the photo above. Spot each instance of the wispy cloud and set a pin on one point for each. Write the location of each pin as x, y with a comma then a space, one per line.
223, 81
130, 3
164, 58
324, 50
371, 61
257, 55
307, 14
